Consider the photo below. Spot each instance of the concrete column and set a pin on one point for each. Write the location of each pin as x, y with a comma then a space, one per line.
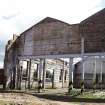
101, 74
17, 74
44, 74
53, 78
26, 74
82, 56
29, 73
13, 77
83, 75
56, 74
94, 75
70, 74
63, 72
82, 68
40, 75
20, 78
95, 69
37, 71
40, 69
82, 64
16, 80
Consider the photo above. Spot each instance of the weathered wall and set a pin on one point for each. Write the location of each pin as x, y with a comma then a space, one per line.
89, 68
53, 37
48, 38
93, 30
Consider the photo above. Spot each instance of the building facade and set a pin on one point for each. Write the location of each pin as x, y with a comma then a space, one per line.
54, 39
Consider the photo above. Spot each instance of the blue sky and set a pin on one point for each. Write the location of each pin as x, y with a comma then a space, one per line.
18, 15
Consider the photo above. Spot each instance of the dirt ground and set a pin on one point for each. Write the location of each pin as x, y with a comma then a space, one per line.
25, 99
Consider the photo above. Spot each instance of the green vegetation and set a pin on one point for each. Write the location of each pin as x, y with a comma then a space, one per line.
74, 92
89, 94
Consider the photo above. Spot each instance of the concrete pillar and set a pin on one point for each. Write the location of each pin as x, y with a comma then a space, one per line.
29, 73
95, 69
37, 72
83, 69
82, 56
56, 74
40, 75
44, 73
94, 75
53, 78
82, 64
16, 80
83, 74
63, 74
20, 78
17, 74
26, 74
101, 74
70, 74
40, 69
13, 77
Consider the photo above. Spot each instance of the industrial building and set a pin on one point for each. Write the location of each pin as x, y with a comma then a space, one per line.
50, 41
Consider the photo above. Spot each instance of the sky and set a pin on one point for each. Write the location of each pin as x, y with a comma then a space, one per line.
18, 15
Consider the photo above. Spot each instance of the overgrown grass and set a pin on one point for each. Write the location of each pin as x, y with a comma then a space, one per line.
89, 94
74, 93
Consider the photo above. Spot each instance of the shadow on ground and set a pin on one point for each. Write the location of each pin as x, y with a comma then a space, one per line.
62, 98
68, 98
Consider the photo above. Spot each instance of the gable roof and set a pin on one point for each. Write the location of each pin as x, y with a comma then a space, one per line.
99, 14
49, 20
46, 20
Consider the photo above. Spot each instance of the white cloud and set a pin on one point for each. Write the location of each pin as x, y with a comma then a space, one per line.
17, 15
55, 8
